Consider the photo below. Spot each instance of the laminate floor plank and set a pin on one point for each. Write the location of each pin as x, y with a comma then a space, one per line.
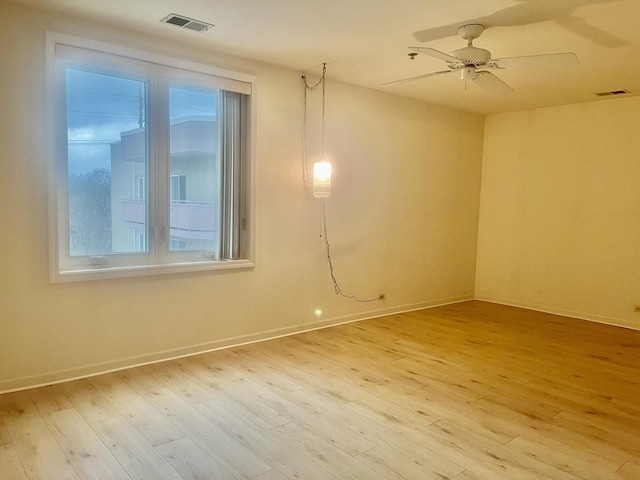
359, 374
266, 409
143, 379
181, 382
329, 455
268, 369
392, 413
191, 462
271, 475
270, 445
469, 475
138, 458
146, 419
16, 405
206, 377
49, 399
494, 456
577, 436
573, 460
87, 453
336, 428
10, 465
40, 454
391, 463
427, 402
224, 449
221, 367
557, 400
598, 428
630, 408
88, 401
468, 391
310, 374
400, 442
5, 438
630, 471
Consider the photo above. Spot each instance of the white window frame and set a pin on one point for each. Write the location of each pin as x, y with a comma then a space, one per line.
61, 48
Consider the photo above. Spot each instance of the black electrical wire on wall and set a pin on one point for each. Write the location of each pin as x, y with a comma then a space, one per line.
308, 180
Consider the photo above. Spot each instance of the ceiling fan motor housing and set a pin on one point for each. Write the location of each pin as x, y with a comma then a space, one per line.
472, 55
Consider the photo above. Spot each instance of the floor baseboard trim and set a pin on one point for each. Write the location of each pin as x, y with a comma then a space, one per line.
614, 322
87, 371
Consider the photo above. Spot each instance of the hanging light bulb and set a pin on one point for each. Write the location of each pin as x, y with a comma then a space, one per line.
321, 179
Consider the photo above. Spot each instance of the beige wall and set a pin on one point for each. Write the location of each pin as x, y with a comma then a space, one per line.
560, 209
402, 220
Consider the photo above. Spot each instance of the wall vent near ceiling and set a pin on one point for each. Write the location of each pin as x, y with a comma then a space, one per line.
186, 22
612, 92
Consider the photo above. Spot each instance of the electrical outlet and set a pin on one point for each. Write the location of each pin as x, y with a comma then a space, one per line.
636, 308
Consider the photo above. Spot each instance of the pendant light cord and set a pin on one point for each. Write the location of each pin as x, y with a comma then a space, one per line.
312, 88
308, 180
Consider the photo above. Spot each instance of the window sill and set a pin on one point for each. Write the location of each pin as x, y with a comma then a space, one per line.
107, 272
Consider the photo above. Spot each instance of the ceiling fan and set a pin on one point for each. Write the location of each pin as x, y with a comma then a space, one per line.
475, 64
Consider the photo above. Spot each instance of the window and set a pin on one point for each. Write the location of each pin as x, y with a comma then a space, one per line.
151, 163
141, 187
178, 188
141, 242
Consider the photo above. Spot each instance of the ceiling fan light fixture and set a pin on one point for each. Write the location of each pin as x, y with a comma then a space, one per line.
467, 73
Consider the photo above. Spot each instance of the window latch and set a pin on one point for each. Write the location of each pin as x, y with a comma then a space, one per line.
100, 260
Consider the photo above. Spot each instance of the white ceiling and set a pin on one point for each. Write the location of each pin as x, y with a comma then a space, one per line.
364, 42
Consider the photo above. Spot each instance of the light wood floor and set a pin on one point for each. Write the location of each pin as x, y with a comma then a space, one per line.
468, 391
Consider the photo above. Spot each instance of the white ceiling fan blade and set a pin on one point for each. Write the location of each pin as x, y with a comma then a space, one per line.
432, 52
489, 82
565, 59
410, 79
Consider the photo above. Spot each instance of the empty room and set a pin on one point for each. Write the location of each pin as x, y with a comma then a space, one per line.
363, 239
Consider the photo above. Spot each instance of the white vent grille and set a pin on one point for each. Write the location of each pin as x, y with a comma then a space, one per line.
612, 93
186, 22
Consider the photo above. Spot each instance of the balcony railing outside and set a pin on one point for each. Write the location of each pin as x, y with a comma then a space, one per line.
188, 219
192, 220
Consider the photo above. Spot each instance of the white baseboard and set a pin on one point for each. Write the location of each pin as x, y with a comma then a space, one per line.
85, 371
615, 322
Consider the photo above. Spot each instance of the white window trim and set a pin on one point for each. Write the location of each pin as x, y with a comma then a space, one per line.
226, 79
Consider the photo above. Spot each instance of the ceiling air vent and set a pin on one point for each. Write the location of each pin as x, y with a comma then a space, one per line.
612, 93
186, 22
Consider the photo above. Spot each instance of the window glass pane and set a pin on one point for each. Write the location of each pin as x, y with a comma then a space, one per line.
107, 163
195, 179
